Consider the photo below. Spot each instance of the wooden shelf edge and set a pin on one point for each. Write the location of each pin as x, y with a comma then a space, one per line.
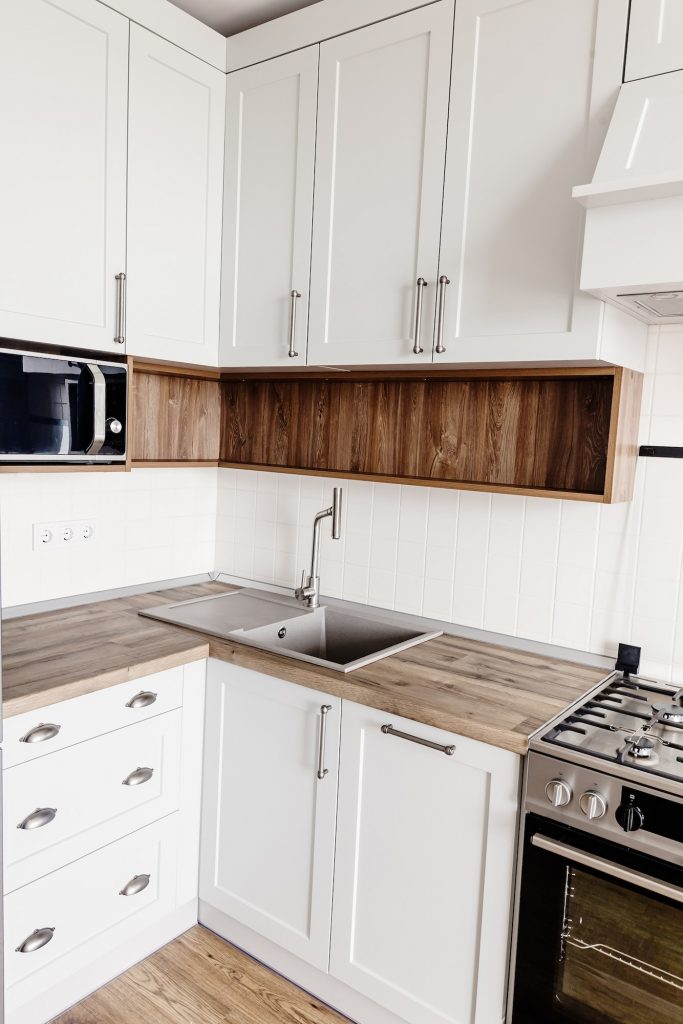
174, 464
529, 492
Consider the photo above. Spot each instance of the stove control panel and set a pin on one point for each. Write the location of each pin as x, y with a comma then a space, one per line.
605, 805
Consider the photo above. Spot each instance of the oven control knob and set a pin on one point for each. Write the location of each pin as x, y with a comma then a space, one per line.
558, 792
630, 817
114, 425
592, 804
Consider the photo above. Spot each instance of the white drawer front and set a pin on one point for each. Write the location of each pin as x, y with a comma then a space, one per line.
84, 905
81, 718
84, 785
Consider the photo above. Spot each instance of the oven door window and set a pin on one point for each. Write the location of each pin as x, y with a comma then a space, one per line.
593, 948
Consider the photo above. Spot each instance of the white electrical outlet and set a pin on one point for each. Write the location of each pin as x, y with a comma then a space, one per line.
50, 536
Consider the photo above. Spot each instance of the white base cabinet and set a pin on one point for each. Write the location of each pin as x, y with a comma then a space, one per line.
407, 881
268, 817
63, 123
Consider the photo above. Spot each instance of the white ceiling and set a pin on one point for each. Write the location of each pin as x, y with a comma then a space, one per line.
230, 16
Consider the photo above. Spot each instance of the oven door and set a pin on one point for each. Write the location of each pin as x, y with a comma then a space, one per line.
599, 932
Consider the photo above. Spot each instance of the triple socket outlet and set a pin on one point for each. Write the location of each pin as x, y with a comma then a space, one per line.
55, 535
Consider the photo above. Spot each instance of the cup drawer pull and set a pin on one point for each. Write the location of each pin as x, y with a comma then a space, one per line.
36, 940
40, 733
40, 817
137, 884
138, 777
142, 699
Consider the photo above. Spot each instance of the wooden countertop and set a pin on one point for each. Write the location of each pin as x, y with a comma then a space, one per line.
484, 691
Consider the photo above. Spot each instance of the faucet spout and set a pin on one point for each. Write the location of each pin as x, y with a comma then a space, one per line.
309, 591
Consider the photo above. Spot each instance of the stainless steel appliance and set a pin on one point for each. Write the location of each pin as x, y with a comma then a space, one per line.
599, 920
61, 409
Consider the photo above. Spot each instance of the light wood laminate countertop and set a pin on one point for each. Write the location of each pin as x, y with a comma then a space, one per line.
485, 691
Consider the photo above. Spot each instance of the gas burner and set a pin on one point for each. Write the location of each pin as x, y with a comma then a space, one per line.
640, 747
671, 714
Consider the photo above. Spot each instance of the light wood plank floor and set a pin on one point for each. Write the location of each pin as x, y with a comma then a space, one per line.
199, 979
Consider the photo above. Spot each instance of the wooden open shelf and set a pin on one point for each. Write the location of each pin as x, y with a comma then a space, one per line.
549, 432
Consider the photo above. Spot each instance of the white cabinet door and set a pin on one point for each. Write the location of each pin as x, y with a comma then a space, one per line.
270, 158
175, 195
268, 819
534, 84
63, 99
383, 106
424, 870
655, 38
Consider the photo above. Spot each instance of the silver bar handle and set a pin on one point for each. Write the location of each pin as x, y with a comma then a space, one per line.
441, 312
120, 338
324, 711
293, 296
138, 777
607, 867
99, 429
36, 940
41, 733
137, 884
389, 730
142, 700
421, 285
39, 818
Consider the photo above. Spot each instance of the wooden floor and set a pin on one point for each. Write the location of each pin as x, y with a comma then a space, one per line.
199, 979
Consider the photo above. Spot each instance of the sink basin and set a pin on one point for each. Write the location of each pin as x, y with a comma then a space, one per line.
325, 636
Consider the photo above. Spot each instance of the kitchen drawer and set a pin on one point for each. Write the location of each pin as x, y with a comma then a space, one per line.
81, 909
76, 800
81, 718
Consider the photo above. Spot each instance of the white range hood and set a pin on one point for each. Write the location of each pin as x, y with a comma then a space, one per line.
633, 245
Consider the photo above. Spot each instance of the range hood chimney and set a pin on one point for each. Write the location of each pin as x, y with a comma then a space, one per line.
633, 245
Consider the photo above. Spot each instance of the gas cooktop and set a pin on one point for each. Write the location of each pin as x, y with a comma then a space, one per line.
631, 722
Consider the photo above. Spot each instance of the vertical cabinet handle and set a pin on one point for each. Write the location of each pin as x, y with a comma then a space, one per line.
36, 940
324, 711
120, 338
41, 733
141, 700
421, 285
443, 284
293, 296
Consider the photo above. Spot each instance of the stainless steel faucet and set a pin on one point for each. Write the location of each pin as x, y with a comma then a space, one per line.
309, 591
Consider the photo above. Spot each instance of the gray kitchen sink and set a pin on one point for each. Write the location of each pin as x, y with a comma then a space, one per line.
325, 636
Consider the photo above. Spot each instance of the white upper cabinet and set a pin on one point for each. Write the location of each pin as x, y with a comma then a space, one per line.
175, 190
63, 108
382, 117
270, 159
424, 869
269, 807
655, 38
534, 85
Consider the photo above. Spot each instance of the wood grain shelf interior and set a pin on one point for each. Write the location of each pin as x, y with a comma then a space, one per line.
558, 432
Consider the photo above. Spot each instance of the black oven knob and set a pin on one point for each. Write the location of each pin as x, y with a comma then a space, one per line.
630, 817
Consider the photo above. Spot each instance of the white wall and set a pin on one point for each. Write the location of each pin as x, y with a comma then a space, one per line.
572, 573
150, 525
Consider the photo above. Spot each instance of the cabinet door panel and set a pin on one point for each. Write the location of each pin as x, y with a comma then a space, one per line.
423, 875
379, 179
175, 190
270, 156
530, 103
269, 821
63, 98
655, 38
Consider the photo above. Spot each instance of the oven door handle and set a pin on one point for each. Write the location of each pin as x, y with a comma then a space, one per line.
99, 409
588, 860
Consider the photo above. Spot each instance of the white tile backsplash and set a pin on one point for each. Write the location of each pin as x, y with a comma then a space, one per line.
150, 525
577, 574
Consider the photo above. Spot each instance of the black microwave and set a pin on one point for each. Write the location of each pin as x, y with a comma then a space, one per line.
61, 409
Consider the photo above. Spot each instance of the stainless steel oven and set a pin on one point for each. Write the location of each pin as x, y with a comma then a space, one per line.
599, 928
64, 409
